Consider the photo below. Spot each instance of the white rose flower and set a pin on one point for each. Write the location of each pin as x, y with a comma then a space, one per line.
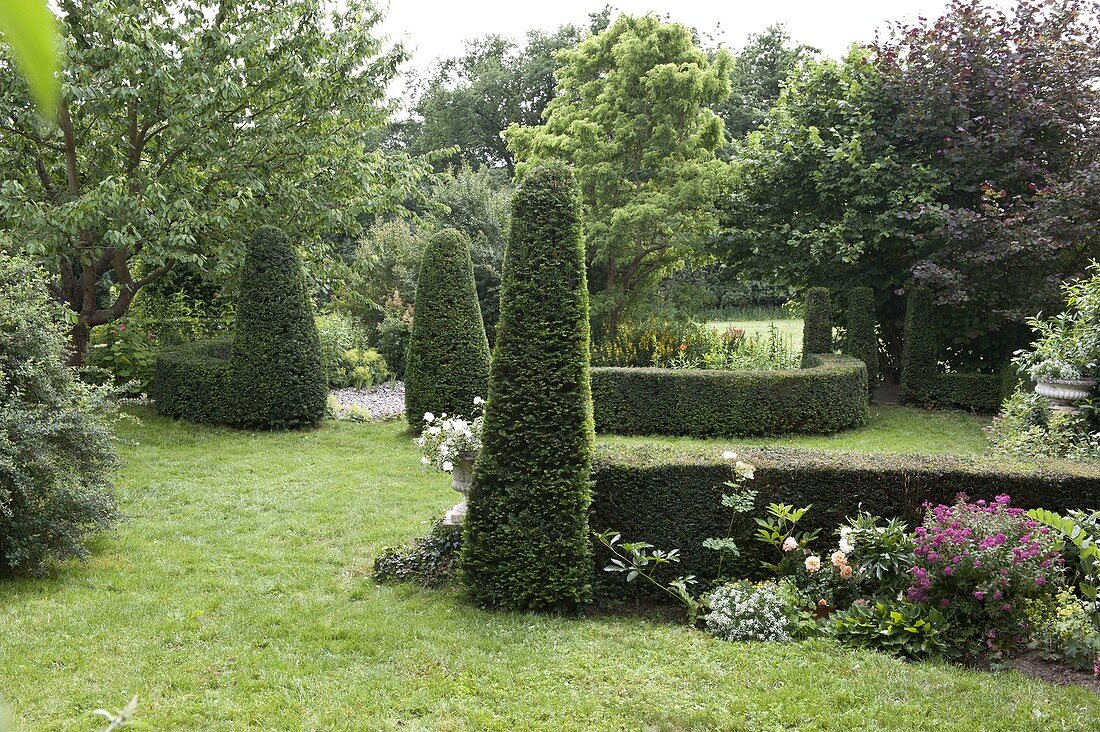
745, 470
459, 425
433, 430
448, 466
846, 544
478, 401
429, 417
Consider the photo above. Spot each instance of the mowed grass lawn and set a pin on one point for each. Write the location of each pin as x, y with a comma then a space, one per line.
790, 329
237, 595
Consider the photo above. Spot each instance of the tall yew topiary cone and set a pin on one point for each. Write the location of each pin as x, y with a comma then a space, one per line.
862, 334
526, 543
448, 362
920, 352
817, 328
278, 380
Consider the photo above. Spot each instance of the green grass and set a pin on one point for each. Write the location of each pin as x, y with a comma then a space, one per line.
891, 428
789, 329
236, 596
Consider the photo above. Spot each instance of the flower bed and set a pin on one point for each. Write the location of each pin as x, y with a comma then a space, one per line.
829, 395
673, 498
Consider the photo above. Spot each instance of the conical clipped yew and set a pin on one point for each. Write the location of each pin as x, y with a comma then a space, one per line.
817, 328
448, 361
862, 336
526, 543
279, 382
920, 352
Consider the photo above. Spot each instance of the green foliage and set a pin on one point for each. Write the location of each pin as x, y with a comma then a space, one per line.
278, 378
383, 267
632, 116
526, 543
431, 561
394, 333
1068, 345
468, 100
124, 355
1079, 531
920, 358
778, 529
956, 152
638, 559
194, 382
338, 334
881, 553
448, 361
672, 495
1067, 630
30, 29
56, 458
861, 330
363, 368
817, 328
759, 70
180, 127
909, 630
829, 396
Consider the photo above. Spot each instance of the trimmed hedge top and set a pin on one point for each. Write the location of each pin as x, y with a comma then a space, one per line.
828, 396
448, 359
861, 337
526, 543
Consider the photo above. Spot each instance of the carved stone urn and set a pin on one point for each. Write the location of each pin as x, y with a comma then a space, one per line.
1064, 394
462, 479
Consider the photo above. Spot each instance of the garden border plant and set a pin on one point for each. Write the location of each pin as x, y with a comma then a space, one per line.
672, 498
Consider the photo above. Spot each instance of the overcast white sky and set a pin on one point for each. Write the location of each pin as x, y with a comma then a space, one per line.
437, 28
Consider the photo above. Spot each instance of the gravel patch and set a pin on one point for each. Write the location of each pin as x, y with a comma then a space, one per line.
385, 401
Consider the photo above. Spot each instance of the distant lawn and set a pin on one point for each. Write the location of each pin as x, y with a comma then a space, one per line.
892, 428
237, 596
789, 328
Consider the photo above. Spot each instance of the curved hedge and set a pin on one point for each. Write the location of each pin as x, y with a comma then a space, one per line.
193, 382
828, 396
526, 543
672, 497
448, 357
278, 376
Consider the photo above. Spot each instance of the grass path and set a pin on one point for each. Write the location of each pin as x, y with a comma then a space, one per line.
236, 597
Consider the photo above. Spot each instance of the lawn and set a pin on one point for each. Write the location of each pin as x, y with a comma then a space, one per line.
237, 596
891, 428
789, 328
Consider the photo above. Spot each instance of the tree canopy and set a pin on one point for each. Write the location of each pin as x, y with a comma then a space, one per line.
179, 123
633, 118
948, 154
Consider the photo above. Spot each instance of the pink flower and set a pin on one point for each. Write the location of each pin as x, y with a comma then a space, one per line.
790, 544
839, 559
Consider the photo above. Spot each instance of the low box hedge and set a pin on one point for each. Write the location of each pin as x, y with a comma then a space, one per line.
671, 498
829, 395
193, 382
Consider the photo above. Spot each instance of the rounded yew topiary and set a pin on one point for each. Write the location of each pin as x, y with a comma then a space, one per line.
817, 328
920, 352
526, 543
448, 357
862, 334
278, 377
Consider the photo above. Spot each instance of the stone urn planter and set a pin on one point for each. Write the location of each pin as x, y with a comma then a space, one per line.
1064, 394
462, 479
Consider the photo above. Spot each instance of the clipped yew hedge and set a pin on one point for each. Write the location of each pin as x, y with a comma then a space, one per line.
671, 497
829, 395
193, 382
526, 544
817, 324
448, 357
861, 336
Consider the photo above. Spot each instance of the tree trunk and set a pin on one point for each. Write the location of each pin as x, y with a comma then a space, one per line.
78, 343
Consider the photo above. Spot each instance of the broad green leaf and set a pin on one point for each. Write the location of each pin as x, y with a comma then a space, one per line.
30, 29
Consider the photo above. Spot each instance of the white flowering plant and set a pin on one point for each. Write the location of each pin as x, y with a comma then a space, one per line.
743, 611
739, 500
450, 439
